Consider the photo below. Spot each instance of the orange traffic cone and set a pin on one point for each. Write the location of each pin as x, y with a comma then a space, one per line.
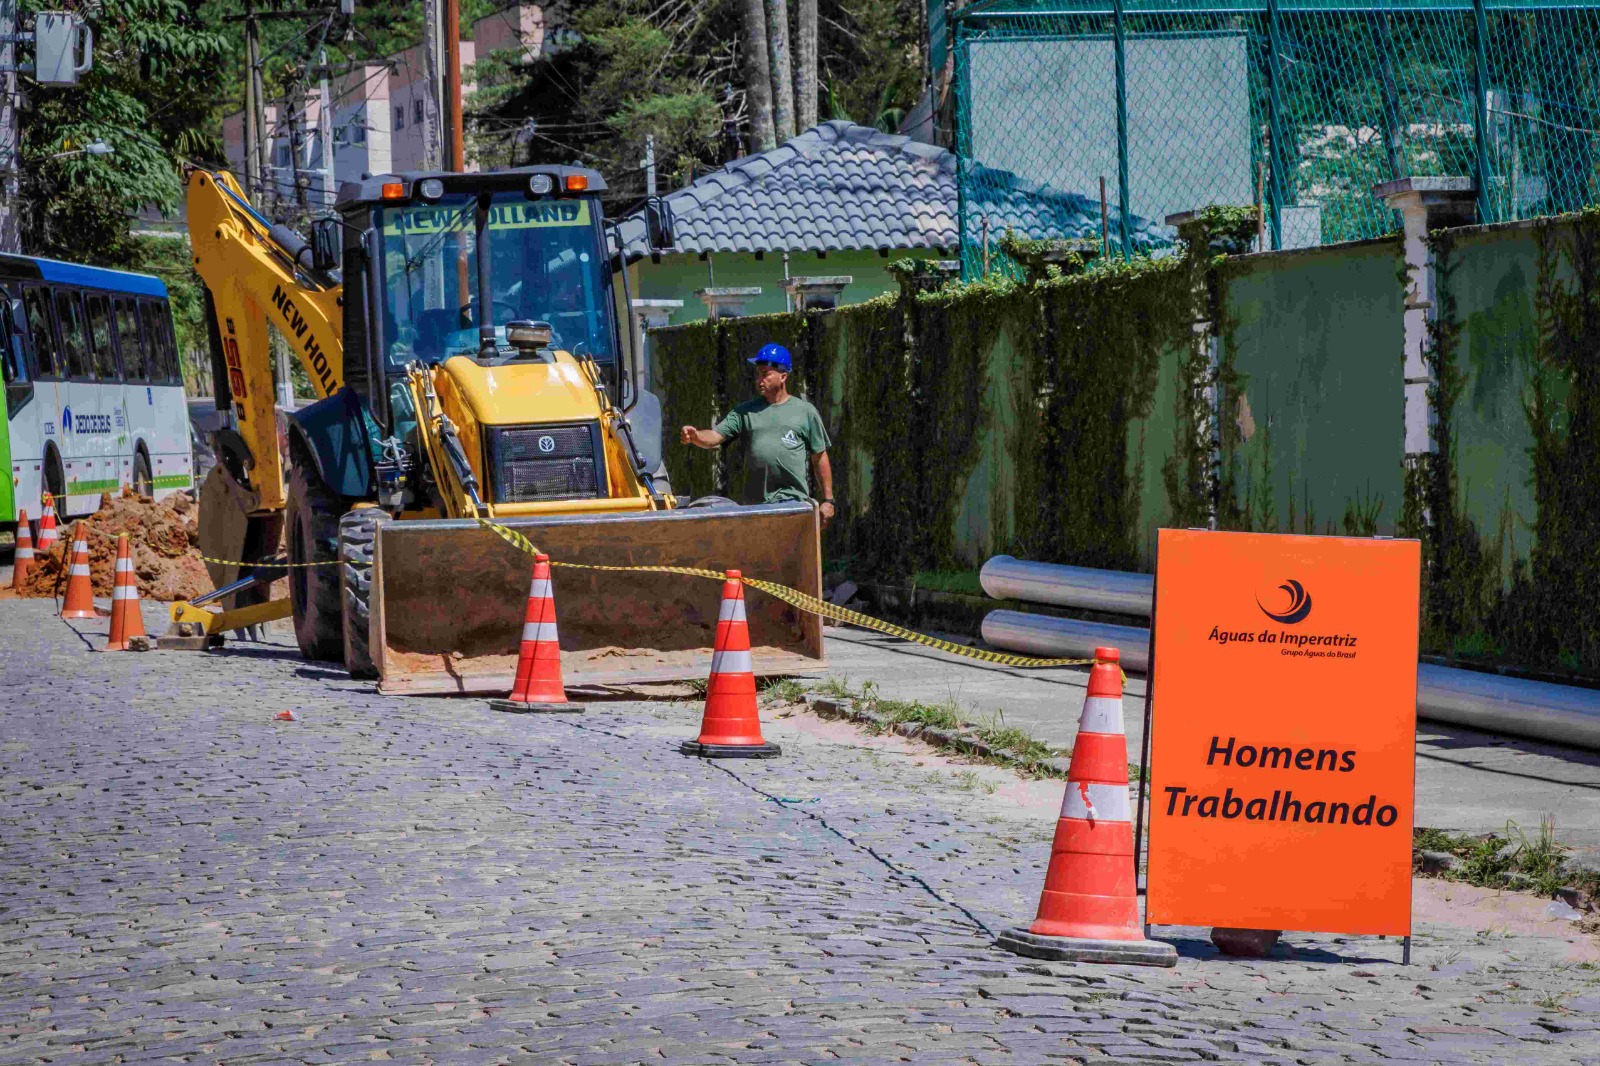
731, 726
22, 557
47, 525
80, 592
1089, 910
126, 620
538, 686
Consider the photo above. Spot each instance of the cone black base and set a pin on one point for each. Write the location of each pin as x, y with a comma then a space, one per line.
730, 751
1074, 949
520, 707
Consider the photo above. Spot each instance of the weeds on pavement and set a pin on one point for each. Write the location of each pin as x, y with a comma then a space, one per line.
1516, 860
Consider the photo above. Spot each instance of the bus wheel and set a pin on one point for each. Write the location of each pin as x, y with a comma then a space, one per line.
55, 482
143, 483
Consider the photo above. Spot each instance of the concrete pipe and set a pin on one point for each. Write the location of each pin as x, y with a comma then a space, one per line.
1006, 578
1560, 714
1058, 638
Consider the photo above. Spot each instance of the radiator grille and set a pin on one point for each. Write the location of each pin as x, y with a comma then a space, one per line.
545, 463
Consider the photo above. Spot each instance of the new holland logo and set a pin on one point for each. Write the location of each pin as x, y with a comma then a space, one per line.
547, 444
1299, 604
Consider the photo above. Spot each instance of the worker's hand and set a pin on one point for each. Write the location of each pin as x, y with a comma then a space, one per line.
687, 435
827, 514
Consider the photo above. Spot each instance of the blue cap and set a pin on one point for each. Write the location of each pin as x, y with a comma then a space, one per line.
776, 354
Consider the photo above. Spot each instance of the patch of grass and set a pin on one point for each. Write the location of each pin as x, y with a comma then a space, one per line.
1516, 860
1009, 747
783, 689
966, 780
964, 582
837, 687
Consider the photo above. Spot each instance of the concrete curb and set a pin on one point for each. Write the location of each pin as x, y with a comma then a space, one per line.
964, 743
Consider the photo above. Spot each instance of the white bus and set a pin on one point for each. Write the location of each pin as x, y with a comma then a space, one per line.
93, 394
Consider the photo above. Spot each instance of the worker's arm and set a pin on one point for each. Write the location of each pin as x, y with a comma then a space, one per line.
824, 472
701, 438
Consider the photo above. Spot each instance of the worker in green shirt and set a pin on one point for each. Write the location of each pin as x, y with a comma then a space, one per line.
782, 432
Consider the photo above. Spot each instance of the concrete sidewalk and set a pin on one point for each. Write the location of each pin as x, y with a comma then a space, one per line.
1466, 781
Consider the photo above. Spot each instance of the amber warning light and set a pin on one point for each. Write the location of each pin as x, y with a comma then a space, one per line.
394, 190
577, 182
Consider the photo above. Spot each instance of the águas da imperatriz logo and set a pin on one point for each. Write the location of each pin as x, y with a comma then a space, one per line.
1289, 604
1299, 604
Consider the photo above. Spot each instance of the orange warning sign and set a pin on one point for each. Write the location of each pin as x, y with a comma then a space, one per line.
1283, 744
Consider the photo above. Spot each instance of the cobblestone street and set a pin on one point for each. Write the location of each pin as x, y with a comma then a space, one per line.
427, 881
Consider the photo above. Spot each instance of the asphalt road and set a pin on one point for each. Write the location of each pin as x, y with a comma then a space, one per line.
185, 879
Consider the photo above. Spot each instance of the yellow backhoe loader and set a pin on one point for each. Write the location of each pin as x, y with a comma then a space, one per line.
461, 333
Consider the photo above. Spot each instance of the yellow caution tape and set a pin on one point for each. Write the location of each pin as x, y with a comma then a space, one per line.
805, 602
793, 597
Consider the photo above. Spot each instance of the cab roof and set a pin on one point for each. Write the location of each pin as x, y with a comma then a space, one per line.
369, 190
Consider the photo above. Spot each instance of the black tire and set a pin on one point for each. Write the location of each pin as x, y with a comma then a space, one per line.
711, 503
358, 536
312, 515
55, 483
144, 482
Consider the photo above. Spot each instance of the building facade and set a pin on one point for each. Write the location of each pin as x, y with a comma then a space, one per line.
374, 121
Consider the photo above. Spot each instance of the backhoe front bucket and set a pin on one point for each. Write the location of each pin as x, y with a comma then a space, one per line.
448, 596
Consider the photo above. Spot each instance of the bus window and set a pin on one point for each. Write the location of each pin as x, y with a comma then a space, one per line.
74, 337
37, 303
134, 364
105, 357
163, 365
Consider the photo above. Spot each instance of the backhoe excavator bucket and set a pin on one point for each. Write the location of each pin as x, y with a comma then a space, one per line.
448, 596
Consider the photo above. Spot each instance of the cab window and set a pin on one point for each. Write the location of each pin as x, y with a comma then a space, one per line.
105, 357
36, 302
74, 336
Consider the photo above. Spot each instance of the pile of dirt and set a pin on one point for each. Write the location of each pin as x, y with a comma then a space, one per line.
165, 544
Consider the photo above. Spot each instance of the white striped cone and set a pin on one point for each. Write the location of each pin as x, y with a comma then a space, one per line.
22, 557
731, 724
126, 621
538, 684
1089, 891
79, 602
47, 525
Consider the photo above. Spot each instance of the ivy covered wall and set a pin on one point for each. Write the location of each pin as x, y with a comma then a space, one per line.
1508, 506
1315, 418
1068, 417
998, 416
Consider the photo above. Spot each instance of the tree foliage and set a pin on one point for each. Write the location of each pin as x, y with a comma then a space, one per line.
672, 69
146, 97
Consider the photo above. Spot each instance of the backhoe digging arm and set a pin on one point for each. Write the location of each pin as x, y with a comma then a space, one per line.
256, 273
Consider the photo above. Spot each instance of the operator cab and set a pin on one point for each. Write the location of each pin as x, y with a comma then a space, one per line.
477, 264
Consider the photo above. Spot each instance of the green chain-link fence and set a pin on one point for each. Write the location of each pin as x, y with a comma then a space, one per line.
1302, 105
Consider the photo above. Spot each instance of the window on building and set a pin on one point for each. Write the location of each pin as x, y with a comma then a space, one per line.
358, 131
280, 156
399, 118
416, 111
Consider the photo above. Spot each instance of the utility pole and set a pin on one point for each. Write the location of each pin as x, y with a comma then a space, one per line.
10, 140
292, 105
430, 97
261, 145
252, 130
325, 130
650, 164
456, 130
